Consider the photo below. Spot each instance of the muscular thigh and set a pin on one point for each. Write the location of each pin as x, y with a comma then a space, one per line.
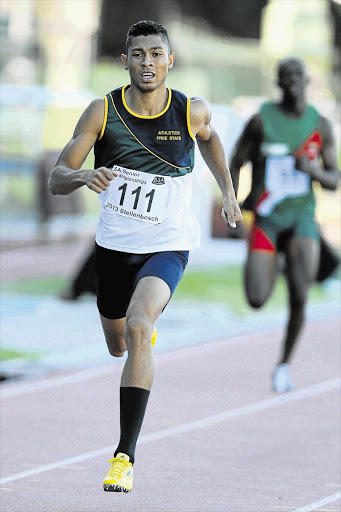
114, 335
118, 273
134, 286
115, 273
156, 281
259, 276
150, 297
147, 302
260, 268
302, 254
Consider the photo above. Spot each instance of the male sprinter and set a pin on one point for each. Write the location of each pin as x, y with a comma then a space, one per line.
143, 136
289, 145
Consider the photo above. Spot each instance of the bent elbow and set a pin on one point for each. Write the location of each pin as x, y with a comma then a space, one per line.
332, 186
51, 188
52, 185
336, 183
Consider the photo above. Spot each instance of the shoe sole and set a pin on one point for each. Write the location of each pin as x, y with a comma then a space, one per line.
281, 391
115, 488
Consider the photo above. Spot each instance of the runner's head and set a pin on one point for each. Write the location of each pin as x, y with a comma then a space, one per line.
148, 57
292, 76
146, 28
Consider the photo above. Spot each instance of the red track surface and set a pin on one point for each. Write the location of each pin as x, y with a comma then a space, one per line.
215, 438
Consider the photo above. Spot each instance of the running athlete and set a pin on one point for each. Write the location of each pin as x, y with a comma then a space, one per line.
289, 145
143, 136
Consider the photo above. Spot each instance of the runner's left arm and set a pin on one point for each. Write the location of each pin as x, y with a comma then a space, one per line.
327, 174
213, 153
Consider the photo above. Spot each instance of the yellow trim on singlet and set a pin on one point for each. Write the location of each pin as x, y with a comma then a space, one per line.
105, 117
145, 147
146, 117
189, 119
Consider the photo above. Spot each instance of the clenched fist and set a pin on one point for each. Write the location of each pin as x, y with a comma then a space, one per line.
99, 179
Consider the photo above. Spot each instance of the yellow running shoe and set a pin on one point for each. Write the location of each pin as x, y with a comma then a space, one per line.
120, 475
154, 336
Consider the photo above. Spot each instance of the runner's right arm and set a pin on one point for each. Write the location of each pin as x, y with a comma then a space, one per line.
212, 151
67, 175
246, 147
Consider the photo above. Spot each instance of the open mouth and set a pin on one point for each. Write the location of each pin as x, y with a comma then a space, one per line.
147, 76
295, 87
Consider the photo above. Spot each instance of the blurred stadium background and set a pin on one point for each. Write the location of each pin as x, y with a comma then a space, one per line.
57, 55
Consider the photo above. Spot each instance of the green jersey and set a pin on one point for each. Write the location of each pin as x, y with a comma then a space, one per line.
275, 181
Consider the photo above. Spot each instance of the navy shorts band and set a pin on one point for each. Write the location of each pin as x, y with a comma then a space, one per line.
117, 274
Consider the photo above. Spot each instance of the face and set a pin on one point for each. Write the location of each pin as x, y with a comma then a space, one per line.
293, 78
148, 62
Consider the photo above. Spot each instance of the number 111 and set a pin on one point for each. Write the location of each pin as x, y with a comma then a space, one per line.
137, 191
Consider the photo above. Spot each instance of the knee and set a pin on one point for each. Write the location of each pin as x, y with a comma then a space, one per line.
257, 293
116, 345
138, 331
255, 302
116, 353
255, 298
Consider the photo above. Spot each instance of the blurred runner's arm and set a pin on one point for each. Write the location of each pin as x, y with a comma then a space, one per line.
213, 153
66, 177
328, 175
246, 147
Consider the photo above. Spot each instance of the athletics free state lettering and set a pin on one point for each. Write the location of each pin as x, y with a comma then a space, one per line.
168, 135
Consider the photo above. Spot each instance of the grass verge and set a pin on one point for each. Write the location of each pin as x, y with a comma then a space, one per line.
225, 284
6, 354
217, 284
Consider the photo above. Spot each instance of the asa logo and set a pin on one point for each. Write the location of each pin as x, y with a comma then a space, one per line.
158, 180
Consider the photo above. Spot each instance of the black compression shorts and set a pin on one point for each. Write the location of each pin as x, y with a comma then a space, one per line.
117, 274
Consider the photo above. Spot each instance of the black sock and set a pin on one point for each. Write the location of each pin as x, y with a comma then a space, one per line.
133, 403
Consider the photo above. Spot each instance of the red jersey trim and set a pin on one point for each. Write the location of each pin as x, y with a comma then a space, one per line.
259, 241
311, 146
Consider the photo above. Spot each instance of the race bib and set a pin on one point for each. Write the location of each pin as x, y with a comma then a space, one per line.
282, 180
137, 195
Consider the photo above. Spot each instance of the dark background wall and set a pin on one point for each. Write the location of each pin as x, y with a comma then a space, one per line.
238, 19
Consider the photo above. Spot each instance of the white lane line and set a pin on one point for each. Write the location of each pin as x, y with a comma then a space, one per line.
15, 389
320, 503
317, 389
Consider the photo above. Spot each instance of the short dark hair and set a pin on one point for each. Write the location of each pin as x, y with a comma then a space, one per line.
286, 61
146, 28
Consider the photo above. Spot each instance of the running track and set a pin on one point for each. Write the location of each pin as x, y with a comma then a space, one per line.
215, 437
